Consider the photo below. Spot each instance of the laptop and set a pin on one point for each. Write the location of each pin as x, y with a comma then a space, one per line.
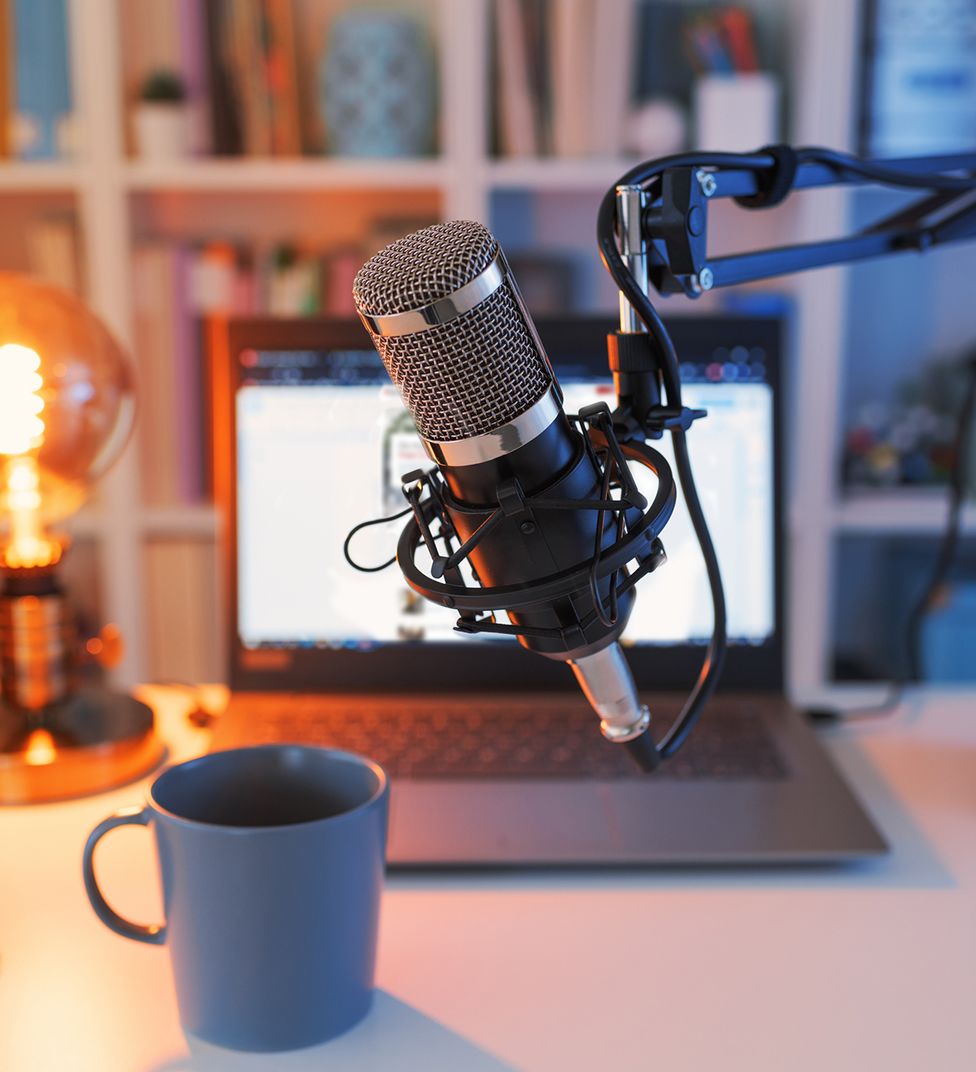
495, 757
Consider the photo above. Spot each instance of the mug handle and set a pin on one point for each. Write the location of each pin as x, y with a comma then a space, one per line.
139, 932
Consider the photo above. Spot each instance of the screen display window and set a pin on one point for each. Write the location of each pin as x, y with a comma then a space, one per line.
323, 439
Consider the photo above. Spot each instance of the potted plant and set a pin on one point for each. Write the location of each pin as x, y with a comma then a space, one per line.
160, 118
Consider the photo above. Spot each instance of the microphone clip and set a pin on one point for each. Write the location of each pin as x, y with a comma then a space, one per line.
413, 485
661, 419
631, 551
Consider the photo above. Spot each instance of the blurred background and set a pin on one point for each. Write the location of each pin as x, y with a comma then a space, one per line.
179, 163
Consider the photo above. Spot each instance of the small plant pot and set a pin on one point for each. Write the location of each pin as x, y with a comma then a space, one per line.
162, 131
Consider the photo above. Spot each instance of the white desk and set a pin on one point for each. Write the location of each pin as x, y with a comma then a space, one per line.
870, 968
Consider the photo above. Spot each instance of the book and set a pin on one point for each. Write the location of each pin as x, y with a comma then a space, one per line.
153, 322
252, 69
517, 104
243, 42
311, 17
188, 397
183, 609
173, 376
536, 19
52, 251
281, 76
612, 69
7, 61
222, 284
226, 136
340, 270
42, 80
571, 34
194, 70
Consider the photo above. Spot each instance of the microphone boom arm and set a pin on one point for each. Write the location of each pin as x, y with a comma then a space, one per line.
675, 223
652, 230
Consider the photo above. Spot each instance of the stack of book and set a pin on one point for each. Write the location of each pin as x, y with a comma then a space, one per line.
178, 291
563, 75
250, 69
182, 293
571, 74
238, 62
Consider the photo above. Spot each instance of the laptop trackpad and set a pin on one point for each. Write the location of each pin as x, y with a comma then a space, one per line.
508, 820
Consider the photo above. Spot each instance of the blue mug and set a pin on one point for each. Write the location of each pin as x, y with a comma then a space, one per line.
272, 864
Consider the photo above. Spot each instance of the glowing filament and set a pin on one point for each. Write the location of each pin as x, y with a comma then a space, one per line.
22, 431
21, 427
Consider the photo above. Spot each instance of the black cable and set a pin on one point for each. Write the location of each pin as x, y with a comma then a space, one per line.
714, 660
643, 175
883, 173
366, 525
950, 539
887, 175
606, 618
711, 668
643, 749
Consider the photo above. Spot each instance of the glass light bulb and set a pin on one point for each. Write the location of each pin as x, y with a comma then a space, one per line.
67, 403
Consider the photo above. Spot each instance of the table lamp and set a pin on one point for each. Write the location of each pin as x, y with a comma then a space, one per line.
67, 403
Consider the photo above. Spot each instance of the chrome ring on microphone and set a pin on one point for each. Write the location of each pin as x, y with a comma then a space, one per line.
442, 311
501, 441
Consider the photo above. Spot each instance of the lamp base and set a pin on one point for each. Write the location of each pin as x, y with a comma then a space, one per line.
91, 741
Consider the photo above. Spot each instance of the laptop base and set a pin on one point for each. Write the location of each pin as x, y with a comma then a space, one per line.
527, 780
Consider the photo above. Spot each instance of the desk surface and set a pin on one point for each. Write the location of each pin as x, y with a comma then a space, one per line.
870, 967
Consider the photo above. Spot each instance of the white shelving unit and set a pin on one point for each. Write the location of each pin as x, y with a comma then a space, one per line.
249, 175
104, 183
463, 178
907, 512
555, 174
18, 177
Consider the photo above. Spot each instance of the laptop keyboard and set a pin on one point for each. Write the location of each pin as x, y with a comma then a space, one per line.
541, 738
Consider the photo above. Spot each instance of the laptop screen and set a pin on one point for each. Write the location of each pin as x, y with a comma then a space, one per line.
322, 440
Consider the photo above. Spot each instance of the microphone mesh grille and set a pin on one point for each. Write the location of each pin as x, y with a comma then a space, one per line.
473, 374
424, 267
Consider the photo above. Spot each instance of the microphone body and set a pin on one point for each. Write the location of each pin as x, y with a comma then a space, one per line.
449, 323
528, 544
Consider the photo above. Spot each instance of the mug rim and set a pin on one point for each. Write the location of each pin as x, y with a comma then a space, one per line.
382, 788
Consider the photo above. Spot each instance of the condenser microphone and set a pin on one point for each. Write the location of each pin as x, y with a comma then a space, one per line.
447, 319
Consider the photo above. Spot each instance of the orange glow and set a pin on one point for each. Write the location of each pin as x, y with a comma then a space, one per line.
21, 499
21, 428
40, 749
38, 556
21, 434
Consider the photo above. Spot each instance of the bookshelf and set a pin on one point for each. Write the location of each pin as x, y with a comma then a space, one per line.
119, 200
22, 176
284, 175
906, 511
